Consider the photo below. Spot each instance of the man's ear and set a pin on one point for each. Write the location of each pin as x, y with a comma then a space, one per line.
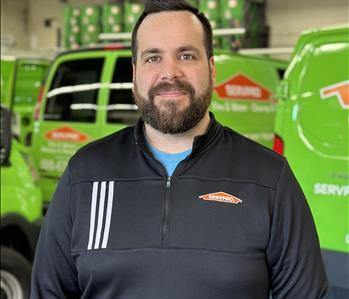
213, 70
133, 75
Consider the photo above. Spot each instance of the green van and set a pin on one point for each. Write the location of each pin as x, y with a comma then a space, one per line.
312, 131
21, 214
21, 80
88, 94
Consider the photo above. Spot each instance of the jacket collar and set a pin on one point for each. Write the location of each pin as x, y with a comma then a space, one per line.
200, 143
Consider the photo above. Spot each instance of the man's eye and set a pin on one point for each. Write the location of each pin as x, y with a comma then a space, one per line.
187, 57
152, 59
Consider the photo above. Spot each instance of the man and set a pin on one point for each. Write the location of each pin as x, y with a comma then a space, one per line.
178, 206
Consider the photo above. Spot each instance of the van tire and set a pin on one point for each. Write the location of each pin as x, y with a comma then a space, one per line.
15, 275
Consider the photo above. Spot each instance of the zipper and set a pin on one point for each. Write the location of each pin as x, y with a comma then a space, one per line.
164, 228
166, 209
166, 212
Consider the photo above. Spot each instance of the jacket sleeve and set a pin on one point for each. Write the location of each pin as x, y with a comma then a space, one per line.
293, 253
54, 274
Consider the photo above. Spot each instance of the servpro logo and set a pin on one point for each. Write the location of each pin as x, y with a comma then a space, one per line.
340, 90
221, 197
331, 189
66, 134
240, 87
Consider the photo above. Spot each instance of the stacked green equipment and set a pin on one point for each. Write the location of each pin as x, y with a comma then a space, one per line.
211, 10
132, 11
112, 18
249, 14
90, 24
313, 133
71, 21
21, 80
257, 30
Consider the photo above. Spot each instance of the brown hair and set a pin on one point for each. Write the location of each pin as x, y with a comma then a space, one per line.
156, 6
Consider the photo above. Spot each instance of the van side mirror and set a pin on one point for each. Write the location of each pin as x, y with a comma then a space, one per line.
5, 136
283, 90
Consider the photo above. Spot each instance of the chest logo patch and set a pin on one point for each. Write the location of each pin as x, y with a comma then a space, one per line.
221, 197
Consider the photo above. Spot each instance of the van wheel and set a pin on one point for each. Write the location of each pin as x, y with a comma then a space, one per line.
15, 275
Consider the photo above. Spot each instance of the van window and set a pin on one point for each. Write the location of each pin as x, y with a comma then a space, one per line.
121, 106
74, 90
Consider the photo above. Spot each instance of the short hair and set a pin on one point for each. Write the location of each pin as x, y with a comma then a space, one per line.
156, 6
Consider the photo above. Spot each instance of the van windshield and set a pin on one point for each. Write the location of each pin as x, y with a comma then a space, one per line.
73, 92
121, 106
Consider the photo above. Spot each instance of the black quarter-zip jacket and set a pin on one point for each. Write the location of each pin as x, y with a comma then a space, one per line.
232, 222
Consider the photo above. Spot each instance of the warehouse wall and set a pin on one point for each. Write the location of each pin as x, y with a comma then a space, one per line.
14, 23
286, 19
40, 10
47, 37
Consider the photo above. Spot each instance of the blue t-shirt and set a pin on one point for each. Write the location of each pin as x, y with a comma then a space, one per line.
170, 161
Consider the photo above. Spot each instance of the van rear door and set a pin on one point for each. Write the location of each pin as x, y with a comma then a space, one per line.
244, 97
312, 121
29, 76
321, 122
7, 79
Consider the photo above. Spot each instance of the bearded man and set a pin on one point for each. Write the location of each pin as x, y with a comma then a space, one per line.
177, 206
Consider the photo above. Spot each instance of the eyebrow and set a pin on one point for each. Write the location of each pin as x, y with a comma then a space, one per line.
179, 50
150, 51
189, 48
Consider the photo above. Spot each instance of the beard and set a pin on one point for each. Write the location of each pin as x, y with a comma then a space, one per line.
166, 117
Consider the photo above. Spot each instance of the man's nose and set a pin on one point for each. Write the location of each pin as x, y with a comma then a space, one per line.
171, 70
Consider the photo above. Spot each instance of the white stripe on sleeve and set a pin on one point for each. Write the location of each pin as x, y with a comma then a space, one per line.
93, 214
100, 215
109, 212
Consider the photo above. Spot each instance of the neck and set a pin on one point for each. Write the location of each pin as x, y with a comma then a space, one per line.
176, 143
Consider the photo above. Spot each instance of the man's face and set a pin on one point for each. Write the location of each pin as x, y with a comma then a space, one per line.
173, 78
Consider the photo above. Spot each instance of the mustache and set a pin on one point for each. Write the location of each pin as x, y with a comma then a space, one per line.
177, 85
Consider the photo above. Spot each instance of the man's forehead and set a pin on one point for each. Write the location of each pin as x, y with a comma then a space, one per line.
169, 21
181, 16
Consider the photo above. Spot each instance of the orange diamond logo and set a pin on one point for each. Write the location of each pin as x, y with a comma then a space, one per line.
240, 87
66, 134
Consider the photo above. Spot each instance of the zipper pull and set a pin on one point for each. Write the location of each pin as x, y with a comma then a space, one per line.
168, 183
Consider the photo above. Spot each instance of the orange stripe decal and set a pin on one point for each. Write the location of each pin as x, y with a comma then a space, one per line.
341, 90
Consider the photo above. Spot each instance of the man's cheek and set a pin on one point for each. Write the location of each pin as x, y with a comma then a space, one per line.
142, 90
